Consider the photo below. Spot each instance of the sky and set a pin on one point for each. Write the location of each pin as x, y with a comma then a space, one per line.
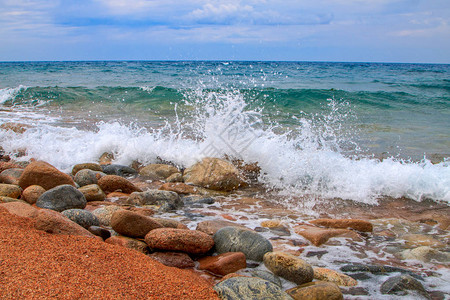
314, 30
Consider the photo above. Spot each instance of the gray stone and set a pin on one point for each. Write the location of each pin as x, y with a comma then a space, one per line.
104, 214
166, 199
85, 177
119, 170
289, 267
267, 276
401, 284
61, 198
197, 199
82, 217
377, 270
235, 239
244, 288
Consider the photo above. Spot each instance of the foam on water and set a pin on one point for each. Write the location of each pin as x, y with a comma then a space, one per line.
8, 94
311, 158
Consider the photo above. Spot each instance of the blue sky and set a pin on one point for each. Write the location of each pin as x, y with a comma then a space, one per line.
319, 30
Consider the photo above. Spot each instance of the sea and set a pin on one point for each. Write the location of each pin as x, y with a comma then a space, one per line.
331, 139
356, 131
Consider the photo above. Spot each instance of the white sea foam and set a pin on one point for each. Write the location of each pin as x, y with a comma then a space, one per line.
306, 160
7, 94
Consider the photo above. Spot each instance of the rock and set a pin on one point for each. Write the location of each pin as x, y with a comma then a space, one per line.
132, 224
318, 236
426, 254
231, 275
244, 288
82, 217
356, 224
5, 165
20, 209
417, 240
173, 259
184, 240
338, 278
11, 176
54, 222
61, 198
86, 177
106, 158
179, 188
92, 192
10, 190
267, 276
378, 270
175, 177
4, 199
128, 242
197, 200
86, 166
32, 193
235, 239
114, 183
104, 214
289, 267
100, 231
224, 263
158, 171
167, 200
168, 223
215, 174
118, 197
15, 127
43, 174
317, 290
401, 284
272, 223
148, 212
119, 170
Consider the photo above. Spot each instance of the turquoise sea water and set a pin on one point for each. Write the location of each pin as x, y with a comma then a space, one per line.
349, 130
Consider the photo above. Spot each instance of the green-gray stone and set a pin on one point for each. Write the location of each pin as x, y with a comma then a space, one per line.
249, 288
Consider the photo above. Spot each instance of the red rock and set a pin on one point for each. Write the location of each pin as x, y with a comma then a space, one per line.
318, 236
4, 165
171, 239
20, 209
10, 190
32, 193
16, 127
90, 166
117, 196
356, 224
132, 224
212, 226
224, 263
92, 192
114, 183
148, 212
128, 242
43, 174
54, 222
179, 188
11, 176
174, 259
106, 158
169, 223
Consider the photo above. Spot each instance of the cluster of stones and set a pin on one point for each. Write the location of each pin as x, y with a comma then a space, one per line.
68, 204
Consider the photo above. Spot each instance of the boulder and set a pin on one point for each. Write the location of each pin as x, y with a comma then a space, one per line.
11, 176
175, 177
235, 239
104, 214
267, 276
5, 165
215, 174
167, 200
169, 223
4, 199
378, 270
318, 236
92, 192
128, 242
114, 183
119, 170
179, 188
356, 224
317, 290
54, 222
86, 177
158, 171
426, 254
61, 198
88, 166
224, 263
197, 200
100, 231
82, 217
32, 193
184, 240
10, 190
338, 278
43, 174
401, 284
249, 288
289, 267
212, 226
173, 259
132, 224
20, 209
